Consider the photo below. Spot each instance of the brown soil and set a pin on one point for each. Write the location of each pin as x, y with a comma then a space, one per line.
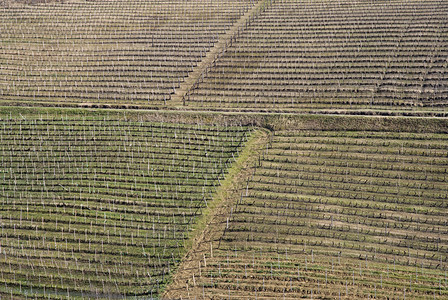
183, 283
15, 3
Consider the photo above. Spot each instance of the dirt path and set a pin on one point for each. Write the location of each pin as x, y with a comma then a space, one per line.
177, 98
183, 284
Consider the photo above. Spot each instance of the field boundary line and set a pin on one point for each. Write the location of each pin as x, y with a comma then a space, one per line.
271, 121
200, 71
211, 226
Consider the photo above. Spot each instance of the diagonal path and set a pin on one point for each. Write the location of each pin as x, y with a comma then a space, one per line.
220, 46
207, 238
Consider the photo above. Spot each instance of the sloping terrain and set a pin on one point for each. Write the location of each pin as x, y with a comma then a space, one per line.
330, 214
348, 57
234, 149
107, 53
315, 56
101, 207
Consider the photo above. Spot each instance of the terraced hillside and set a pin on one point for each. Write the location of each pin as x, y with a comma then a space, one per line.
99, 207
315, 56
329, 214
106, 53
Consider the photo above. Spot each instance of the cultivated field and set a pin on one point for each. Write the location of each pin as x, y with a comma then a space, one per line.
333, 55
331, 214
223, 149
97, 207
268, 55
106, 53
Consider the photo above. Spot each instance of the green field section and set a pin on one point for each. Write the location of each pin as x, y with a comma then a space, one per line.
314, 56
330, 214
106, 53
101, 207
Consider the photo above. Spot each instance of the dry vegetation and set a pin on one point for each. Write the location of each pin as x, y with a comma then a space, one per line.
328, 214
331, 55
107, 53
127, 203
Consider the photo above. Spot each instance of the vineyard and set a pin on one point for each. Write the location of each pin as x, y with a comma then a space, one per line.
107, 53
245, 55
332, 55
100, 207
331, 214
223, 149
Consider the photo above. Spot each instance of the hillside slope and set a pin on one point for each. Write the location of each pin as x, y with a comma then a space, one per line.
338, 56
103, 207
107, 53
330, 214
